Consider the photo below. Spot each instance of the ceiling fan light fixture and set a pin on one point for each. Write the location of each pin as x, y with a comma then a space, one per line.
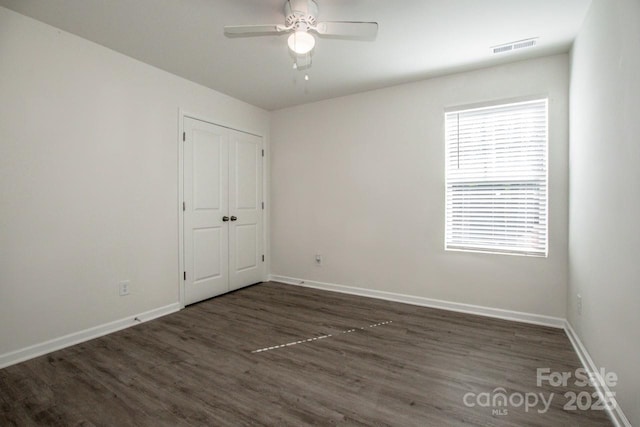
301, 42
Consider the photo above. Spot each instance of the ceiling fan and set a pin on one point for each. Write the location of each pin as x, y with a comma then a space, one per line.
301, 20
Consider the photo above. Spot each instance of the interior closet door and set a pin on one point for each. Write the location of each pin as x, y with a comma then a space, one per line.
206, 204
245, 209
222, 210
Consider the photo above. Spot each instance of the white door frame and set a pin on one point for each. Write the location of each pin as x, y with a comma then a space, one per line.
265, 194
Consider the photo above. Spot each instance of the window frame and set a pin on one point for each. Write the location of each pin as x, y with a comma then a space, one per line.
449, 244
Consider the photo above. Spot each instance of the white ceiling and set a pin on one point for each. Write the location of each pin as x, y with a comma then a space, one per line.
416, 39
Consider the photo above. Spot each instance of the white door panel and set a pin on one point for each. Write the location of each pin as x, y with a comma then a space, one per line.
245, 204
245, 238
206, 194
207, 243
246, 167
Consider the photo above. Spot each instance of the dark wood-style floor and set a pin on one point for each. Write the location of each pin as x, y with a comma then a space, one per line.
198, 367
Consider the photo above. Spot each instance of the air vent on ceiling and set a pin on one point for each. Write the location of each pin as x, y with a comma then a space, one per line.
520, 44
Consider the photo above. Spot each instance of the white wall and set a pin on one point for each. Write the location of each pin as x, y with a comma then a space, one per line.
89, 180
605, 193
360, 179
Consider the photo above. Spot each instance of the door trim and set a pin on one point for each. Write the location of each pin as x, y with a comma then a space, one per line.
182, 114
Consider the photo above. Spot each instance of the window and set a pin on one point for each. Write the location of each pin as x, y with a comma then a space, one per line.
496, 179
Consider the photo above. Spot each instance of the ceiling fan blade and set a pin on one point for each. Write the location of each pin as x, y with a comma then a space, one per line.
361, 30
239, 30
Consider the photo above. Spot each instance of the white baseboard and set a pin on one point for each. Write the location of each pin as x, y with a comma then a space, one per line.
536, 319
36, 350
616, 414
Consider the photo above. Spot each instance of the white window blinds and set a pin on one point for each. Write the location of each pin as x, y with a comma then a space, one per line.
496, 179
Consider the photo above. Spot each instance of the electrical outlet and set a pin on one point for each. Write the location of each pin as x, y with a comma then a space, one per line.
579, 303
318, 259
124, 287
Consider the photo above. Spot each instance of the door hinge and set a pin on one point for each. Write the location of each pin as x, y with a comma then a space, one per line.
184, 206
262, 205
262, 153
184, 136
262, 258
185, 275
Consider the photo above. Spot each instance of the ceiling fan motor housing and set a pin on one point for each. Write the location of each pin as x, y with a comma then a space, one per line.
301, 14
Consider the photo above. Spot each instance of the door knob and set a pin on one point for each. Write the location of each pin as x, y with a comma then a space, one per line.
233, 218
225, 218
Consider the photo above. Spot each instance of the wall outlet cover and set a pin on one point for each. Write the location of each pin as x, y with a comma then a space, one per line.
124, 288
